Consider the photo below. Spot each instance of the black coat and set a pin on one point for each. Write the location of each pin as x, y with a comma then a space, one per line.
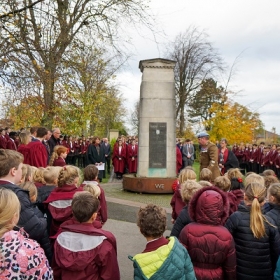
52, 143
256, 258
232, 161
182, 220
274, 214
34, 226
44, 241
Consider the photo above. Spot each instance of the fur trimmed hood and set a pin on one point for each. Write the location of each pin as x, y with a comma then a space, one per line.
209, 205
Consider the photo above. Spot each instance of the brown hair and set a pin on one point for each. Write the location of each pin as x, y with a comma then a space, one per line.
9, 159
205, 174
67, 175
269, 172
274, 190
188, 189
222, 183
255, 194
84, 205
186, 174
90, 172
57, 151
270, 179
152, 221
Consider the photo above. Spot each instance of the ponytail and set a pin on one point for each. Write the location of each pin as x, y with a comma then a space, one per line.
256, 194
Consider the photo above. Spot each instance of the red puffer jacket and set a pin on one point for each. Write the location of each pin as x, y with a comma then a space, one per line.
209, 243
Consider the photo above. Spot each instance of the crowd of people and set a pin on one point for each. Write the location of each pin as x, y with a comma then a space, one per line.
42, 147
225, 224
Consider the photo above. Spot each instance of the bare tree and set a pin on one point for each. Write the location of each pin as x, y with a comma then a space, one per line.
135, 117
35, 41
196, 60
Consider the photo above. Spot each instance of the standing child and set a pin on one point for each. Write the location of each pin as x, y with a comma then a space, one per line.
44, 240
164, 259
81, 251
188, 189
18, 260
256, 238
58, 156
177, 202
59, 200
210, 244
91, 177
273, 194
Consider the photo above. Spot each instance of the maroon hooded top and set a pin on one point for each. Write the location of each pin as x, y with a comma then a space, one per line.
209, 243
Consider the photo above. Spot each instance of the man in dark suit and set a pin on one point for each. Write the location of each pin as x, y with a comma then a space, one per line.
54, 139
188, 153
107, 150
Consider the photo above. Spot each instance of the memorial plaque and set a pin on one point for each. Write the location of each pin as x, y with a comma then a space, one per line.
157, 145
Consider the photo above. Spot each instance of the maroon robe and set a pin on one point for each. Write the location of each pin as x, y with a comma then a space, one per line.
11, 145
24, 151
3, 142
179, 160
132, 154
37, 154
119, 159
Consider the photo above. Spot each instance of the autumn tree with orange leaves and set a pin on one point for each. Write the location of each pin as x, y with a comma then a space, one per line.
232, 121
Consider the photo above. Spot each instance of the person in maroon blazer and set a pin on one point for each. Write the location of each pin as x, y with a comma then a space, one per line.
11, 144
272, 156
253, 159
3, 140
58, 156
37, 154
119, 159
132, 154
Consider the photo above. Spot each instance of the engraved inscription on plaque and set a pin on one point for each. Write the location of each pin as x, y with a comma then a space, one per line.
157, 145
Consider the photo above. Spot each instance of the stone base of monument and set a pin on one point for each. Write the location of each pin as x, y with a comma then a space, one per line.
147, 184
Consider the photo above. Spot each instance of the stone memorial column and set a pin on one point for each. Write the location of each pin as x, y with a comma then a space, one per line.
157, 127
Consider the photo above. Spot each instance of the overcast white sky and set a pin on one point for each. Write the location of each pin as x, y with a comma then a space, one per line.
234, 27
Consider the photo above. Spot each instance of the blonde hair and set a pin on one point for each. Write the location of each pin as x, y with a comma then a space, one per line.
26, 173
29, 186
9, 206
186, 174
274, 190
67, 175
51, 174
255, 194
205, 174
188, 189
222, 183
24, 137
253, 178
38, 175
93, 189
57, 151
234, 173
204, 183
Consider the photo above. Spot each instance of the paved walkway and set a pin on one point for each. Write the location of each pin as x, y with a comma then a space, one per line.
123, 207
